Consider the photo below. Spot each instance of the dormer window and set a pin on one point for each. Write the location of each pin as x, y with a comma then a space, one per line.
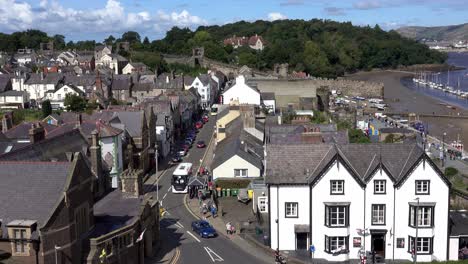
19, 232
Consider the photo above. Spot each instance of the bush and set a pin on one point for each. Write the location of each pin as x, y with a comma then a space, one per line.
450, 172
232, 183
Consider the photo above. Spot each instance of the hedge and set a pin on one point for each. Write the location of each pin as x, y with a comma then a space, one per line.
232, 183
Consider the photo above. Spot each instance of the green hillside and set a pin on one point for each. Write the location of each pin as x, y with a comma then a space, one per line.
319, 47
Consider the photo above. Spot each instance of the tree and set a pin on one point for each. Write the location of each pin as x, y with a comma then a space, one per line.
357, 136
46, 108
74, 103
109, 40
59, 42
131, 37
146, 41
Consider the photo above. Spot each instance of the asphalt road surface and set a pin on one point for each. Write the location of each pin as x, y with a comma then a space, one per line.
176, 224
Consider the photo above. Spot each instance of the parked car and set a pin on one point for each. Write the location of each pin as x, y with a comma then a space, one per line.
198, 125
205, 119
188, 141
176, 159
201, 144
182, 152
204, 229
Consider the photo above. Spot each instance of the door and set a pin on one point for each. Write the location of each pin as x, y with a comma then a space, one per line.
378, 245
301, 241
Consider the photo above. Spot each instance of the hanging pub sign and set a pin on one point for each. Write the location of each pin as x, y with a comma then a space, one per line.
356, 242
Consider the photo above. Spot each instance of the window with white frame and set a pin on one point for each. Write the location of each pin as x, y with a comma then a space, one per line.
379, 186
336, 245
291, 210
424, 245
425, 216
20, 244
422, 187
241, 172
59, 96
336, 216
65, 89
378, 214
336, 187
263, 204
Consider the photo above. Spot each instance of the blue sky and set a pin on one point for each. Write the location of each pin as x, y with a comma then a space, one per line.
85, 19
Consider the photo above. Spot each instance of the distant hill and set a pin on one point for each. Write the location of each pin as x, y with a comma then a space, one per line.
322, 48
447, 33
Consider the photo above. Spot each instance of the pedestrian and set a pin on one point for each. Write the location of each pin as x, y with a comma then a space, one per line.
213, 211
228, 228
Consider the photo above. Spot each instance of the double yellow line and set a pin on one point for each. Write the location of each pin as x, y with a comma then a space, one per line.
176, 257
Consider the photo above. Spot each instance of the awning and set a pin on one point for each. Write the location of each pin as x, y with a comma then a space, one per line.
301, 229
197, 181
422, 204
378, 231
337, 203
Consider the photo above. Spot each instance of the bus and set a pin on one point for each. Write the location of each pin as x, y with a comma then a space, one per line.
214, 110
180, 178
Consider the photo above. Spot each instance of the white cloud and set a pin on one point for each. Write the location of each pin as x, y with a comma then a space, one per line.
367, 4
276, 16
53, 18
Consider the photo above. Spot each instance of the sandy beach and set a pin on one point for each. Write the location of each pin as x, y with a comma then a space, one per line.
401, 99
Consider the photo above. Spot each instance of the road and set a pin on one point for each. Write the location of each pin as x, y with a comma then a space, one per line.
176, 224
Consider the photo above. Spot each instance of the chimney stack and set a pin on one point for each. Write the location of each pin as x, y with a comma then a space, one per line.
132, 179
79, 120
36, 133
96, 162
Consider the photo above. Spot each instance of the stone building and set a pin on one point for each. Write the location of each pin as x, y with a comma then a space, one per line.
55, 215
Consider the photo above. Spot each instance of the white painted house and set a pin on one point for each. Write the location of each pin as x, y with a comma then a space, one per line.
242, 93
13, 99
345, 200
37, 84
240, 155
57, 97
206, 88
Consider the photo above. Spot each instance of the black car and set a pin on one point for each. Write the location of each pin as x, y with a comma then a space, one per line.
176, 159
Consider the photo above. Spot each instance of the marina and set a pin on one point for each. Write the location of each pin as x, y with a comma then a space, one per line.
451, 87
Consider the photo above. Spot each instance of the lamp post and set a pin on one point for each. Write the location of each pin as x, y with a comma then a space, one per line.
56, 248
443, 149
415, 243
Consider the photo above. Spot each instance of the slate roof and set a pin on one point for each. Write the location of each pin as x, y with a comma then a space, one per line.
239, 143
4, 82
267, 96
50, 78
50, 148
132, 120
114, 211
143, 87
12, 93
305, 162
121, 82
82, 80
459, 223
38, 186
86, 127
21, 131
176, 83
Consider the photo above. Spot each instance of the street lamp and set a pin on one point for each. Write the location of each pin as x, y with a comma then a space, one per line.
56, 255
443, 149
415, 243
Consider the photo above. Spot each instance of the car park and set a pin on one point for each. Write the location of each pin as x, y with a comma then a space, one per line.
203, 229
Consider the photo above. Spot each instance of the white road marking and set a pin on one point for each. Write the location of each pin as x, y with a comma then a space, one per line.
214, 257
194, 237
169, 189
180, 224
164, 197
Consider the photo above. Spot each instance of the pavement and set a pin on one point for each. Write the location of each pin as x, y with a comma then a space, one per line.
178, 243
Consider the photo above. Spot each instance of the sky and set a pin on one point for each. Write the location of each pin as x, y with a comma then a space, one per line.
97, 19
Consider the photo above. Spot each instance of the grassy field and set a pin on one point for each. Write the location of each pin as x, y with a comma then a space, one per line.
20, 115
